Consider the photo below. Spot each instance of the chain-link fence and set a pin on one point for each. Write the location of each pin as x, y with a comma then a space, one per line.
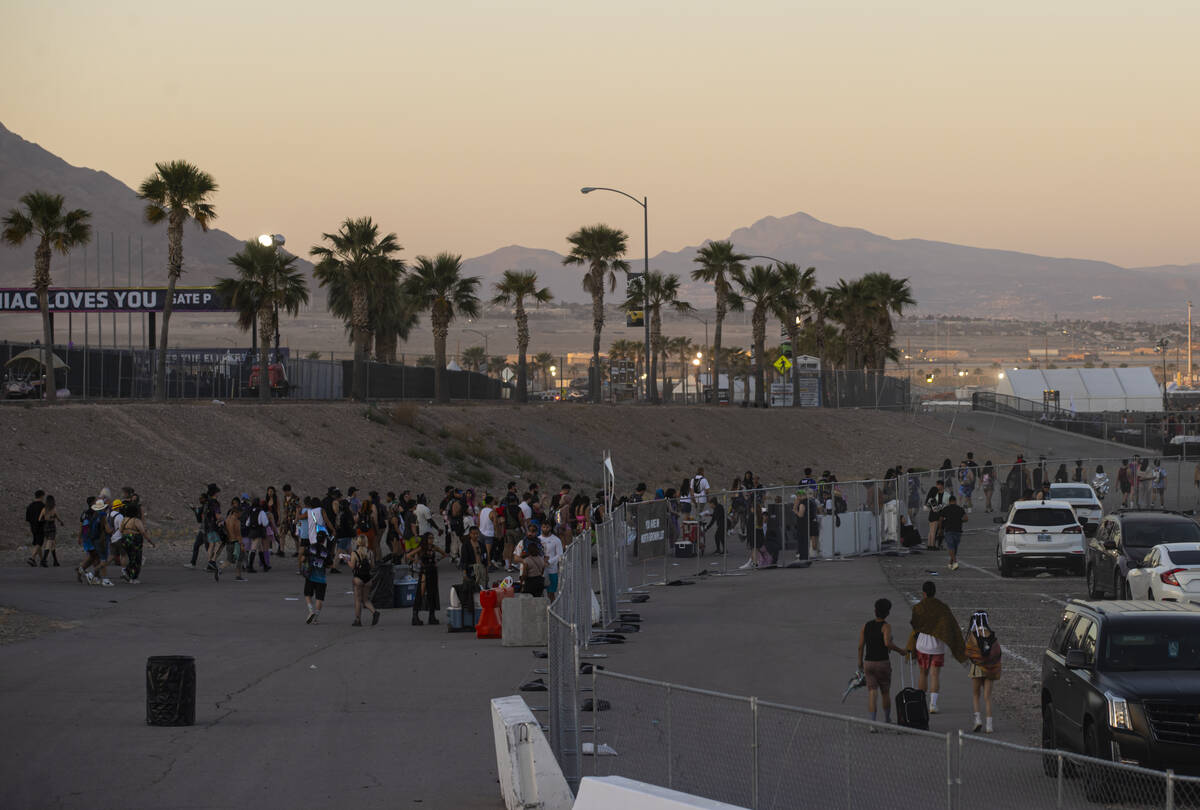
569, 624
756, 754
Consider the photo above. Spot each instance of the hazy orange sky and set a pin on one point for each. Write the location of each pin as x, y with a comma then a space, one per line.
466, 126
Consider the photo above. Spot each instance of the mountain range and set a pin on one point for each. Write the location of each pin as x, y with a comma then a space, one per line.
945, 278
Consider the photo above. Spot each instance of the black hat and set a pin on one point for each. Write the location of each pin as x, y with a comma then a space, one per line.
213, 489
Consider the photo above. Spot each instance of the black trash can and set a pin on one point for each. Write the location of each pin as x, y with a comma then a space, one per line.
170, 690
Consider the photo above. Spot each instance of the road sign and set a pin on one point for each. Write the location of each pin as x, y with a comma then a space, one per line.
507, 375
782, 364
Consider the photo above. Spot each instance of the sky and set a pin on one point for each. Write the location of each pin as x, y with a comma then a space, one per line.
1061, 128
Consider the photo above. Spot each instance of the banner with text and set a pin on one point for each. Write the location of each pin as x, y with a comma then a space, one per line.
113, 299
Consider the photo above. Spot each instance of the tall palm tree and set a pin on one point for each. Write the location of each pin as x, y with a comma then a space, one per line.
852, 307
355, 259
888, 295
599, 248
718, 261
54, 229
762, 288
438, 285
542, 362
176, 192
268, 281
390, 316
652, 292
513, 289
819, 303
797, 284
682, 348
473, 358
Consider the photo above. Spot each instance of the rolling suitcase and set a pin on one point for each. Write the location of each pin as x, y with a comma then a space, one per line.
911, 708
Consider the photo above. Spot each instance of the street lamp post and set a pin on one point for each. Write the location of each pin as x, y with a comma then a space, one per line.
1161, 347
643, 202
276, 241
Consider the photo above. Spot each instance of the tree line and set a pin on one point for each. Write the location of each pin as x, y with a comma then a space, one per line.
381, 298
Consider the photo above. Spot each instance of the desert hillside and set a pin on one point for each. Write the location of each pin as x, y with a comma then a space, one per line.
170, 452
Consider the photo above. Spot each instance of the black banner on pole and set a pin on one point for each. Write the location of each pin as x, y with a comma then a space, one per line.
113, 299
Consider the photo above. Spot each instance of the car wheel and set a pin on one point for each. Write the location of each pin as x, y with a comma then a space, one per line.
1118, 587
1093, 592
1049, 741
1096, 785
1125, 592
1006, 567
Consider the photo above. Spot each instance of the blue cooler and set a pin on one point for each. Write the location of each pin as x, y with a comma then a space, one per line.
404, 591
460, 620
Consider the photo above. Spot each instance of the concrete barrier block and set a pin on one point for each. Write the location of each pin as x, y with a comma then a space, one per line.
529, 775
523, 622
607, 792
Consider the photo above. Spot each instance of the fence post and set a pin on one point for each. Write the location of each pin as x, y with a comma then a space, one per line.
950, 767
754, 756
1059, 779
670, 775
1170, 804
846, 751
595, 725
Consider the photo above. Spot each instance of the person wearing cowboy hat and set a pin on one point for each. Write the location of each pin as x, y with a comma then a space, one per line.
110, 546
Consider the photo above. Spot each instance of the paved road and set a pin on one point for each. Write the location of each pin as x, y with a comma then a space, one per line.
289, 715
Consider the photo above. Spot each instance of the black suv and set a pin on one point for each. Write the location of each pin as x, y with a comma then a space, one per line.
1121, 682
1129, 534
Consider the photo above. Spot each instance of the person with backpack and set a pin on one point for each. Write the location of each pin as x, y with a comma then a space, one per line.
361, 561
232, 541
135, 535
983, 651
343, 530
254, 534
87, 539
875, 646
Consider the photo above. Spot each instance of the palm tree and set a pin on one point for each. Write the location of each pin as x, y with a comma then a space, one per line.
737, 360
653, 291
761, 288
54, 229
176, 192
797, 284
600, 249
682, 348
542, 362
513, 288
438, 285
355, 260
267, 282
888, 295
718, 263
474, 358
819, 303
390, 316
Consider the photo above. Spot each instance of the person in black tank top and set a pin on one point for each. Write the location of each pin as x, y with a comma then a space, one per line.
360, 565
874, 645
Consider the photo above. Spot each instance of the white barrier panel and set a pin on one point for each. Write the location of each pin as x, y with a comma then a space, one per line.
523, 621
529, 776
608, 792
848, 534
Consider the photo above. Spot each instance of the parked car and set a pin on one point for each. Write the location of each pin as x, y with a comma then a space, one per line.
1121, 682
1040, 534
1127, 535
1083, 500
1169, 573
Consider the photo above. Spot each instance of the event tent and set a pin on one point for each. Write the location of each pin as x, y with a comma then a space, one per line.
1087, 390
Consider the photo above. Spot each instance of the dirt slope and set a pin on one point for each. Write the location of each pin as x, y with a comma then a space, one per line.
169, 452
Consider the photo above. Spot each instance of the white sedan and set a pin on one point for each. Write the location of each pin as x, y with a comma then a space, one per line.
1169, 573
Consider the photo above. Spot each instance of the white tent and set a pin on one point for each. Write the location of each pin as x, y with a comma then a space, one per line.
1087, 390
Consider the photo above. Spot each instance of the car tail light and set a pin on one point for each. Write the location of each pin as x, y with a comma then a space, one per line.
1168, 577
1073, 530
1014, 530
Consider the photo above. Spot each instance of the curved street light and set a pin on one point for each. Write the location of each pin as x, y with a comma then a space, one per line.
643, 202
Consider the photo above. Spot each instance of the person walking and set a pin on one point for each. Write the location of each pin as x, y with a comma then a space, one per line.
50, 523
134, 535
37, 530
934, 501
952, 518
86, 540
474, 561
361, 561
934, 632
1124, 485
312, 561
426, 554
874, 661
1100, 483
988, 479
1158, 488
552, 549
983, 651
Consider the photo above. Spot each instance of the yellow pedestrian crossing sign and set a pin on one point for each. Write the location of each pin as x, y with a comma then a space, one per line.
782, 365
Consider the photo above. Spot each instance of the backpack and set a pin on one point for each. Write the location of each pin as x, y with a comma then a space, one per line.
250, 525
364, 518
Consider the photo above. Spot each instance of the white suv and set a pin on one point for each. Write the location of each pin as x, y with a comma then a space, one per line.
1041, 534
1082, 497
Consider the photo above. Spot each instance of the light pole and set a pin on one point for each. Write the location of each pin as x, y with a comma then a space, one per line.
1161, 347
643, 202
276, 241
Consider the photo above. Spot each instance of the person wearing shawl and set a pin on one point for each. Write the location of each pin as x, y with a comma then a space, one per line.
983, 650
934, 631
